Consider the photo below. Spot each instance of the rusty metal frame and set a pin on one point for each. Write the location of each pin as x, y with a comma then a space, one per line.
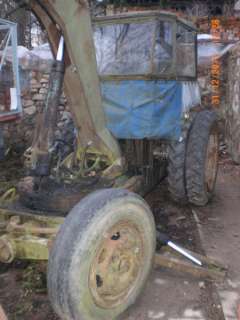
26, 236
31, 237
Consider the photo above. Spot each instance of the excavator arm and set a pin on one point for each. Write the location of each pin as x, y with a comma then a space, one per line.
71, 19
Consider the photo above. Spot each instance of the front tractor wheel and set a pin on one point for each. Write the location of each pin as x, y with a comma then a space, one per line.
102, 256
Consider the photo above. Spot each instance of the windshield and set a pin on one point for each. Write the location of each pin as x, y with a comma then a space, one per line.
124, 49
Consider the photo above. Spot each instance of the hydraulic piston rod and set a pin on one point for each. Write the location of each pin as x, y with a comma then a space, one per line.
41, 155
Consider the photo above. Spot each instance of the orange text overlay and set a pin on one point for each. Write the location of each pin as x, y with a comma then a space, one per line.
215, 66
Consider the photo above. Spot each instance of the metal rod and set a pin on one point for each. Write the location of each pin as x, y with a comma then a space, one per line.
60, 52
184, 253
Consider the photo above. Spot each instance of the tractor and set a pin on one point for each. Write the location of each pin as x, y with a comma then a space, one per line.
131, 85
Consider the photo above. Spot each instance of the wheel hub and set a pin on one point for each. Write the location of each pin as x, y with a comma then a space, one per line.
116, 266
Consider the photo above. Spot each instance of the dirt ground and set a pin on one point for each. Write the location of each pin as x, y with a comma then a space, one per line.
213, 230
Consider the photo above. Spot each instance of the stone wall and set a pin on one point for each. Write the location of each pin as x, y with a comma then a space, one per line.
232, 109
19, 133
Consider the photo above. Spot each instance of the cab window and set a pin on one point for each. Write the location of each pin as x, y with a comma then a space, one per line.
124, 49
163, 50
186, 52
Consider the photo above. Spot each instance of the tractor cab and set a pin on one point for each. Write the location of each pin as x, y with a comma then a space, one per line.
158, 45
147, 63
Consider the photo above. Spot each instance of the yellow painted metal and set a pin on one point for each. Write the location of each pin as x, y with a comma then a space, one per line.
26, 236
7, 249
26, 216
30, 236
9, 196
23, 247
32, 248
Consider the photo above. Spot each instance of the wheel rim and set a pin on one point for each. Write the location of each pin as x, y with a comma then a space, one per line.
211, 161
117, 265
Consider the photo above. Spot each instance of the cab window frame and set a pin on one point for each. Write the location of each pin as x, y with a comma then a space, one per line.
194, 32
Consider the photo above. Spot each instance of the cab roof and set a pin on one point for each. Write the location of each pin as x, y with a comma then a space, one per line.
142, 16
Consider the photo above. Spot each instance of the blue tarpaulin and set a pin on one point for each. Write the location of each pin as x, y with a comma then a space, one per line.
138, 109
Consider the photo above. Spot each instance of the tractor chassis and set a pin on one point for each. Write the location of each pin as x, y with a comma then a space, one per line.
29, 234
24, 235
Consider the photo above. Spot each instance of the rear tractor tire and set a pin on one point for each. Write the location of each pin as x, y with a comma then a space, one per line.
202, 158
193, 161
102, 256
176, 165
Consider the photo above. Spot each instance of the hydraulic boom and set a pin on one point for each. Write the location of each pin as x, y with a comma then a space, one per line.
71, 19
